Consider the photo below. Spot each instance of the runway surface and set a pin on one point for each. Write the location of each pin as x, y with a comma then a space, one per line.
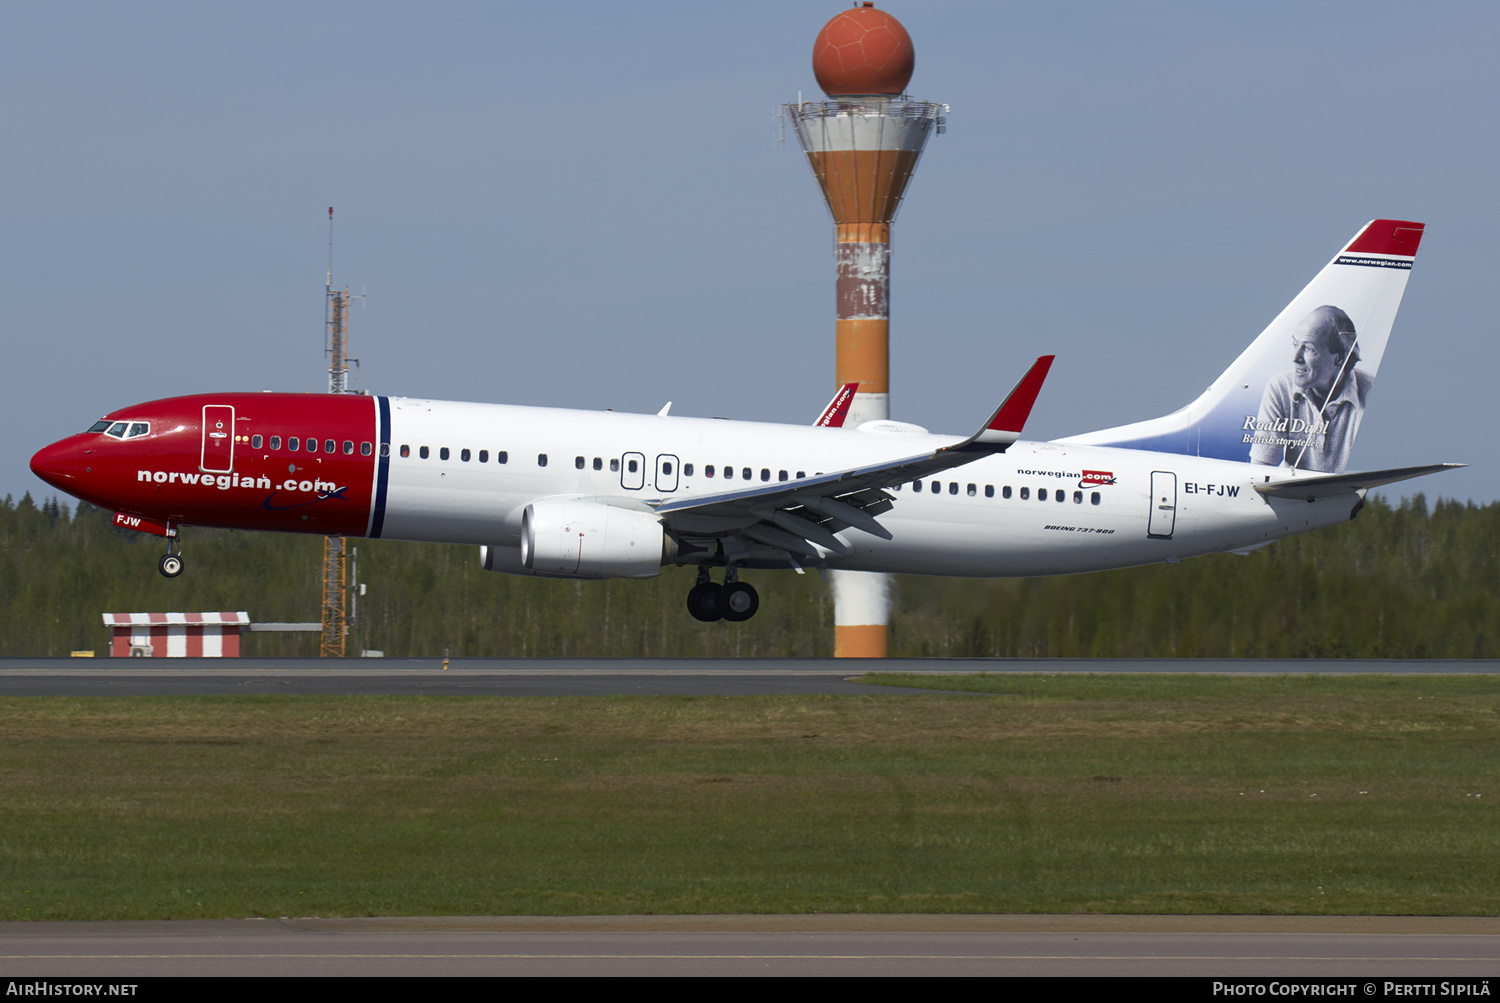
601, 676
1210, 947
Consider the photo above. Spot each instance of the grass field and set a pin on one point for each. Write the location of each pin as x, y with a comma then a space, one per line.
1148, 794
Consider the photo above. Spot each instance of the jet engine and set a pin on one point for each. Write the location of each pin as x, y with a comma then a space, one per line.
576, 538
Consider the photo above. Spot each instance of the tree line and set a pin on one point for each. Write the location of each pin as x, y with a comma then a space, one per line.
1401, 581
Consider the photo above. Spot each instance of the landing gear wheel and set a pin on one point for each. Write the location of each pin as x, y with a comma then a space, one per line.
170, 565
739, 601
703, 602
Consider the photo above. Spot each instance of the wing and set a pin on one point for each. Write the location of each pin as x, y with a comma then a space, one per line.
802, 516
1324, 485
838, 409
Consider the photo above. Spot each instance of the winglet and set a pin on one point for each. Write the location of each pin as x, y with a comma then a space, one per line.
1004, 426
838, 409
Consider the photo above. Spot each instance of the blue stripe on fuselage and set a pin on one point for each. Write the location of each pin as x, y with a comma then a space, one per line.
383, 467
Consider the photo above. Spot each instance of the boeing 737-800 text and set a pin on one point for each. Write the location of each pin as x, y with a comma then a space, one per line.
1260, 455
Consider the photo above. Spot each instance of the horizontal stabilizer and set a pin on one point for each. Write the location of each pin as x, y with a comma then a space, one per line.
1325, 485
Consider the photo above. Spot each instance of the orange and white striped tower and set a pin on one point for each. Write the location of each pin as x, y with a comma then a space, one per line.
863, 144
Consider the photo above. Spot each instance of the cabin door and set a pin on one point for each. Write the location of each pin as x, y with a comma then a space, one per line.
666, 472
1163, 505
218, 439
633, 471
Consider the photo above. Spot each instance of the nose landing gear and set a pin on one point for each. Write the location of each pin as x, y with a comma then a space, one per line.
170, 564
734, 601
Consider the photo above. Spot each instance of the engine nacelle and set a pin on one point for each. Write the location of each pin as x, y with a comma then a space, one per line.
576, 538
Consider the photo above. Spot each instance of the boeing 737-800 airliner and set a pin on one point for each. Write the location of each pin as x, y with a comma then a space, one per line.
1260, 455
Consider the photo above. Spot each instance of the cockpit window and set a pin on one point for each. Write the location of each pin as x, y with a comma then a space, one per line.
121, 429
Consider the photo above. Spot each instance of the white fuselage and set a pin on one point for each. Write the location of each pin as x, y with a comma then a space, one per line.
1037, 509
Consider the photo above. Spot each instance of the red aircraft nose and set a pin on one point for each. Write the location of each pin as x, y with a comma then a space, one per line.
57, 464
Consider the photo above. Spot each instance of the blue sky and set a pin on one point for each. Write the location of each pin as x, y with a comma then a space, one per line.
582, 205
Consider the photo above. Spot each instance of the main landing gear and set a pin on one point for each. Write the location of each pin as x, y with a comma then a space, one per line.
170, 564
734, 600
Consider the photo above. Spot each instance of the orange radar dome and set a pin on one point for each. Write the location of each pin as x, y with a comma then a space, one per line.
863, 51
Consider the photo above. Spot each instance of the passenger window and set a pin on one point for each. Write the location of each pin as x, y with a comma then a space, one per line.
745, 474
443, 453
631, 466
1094, 498
385, 449
937, 487
666, 469
424, 452
1025, 493
502, 456
256, 441
541, 459
578, 462
293, 443
614, 465
1077, 497
765, 473
1062, 495
598, 463
953, 487
464, 455
348, 447
275, 442
312, 445
1005, 491
781, 475
329, 446
973, 490
687, 470
1041, 494
801, 474
729, 473
364, 449
405, 449
484, 456
989, 490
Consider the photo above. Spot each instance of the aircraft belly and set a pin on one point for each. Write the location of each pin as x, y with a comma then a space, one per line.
982, 542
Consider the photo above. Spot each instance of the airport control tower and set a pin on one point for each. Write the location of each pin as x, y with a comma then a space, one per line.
863, 144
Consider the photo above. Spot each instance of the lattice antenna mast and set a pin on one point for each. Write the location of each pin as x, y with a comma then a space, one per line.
338, 325
335, 584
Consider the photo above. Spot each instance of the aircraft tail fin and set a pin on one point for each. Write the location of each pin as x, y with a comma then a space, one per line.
1295, 397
